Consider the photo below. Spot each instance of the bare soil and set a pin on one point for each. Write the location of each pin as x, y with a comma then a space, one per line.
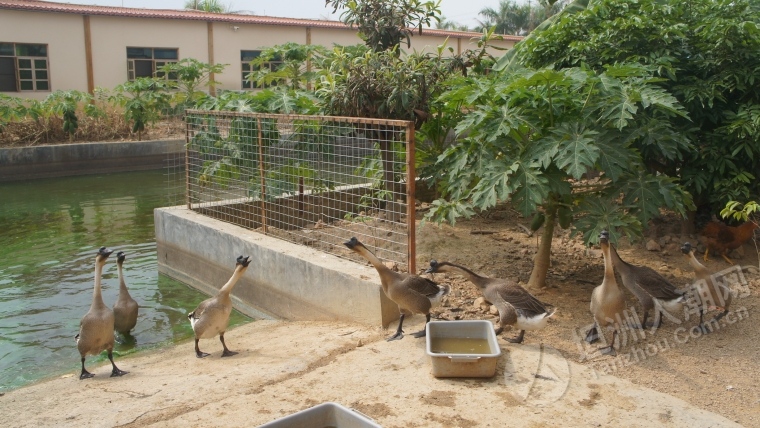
716, 371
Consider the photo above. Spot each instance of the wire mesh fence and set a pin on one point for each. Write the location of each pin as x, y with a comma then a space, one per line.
311, 180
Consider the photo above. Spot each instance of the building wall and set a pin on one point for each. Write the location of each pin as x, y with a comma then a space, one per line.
64, 33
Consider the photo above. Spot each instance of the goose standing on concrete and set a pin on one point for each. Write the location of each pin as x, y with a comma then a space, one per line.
710, 292
96, 328
607, 301
652, 290
412, 293
212, 316
125, 308
517, 307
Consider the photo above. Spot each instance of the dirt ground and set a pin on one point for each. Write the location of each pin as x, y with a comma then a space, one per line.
716, 371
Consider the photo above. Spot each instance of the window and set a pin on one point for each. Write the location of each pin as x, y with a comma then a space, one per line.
145, 62
23, 67
246, 68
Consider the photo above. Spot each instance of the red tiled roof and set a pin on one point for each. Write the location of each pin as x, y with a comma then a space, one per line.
44, 6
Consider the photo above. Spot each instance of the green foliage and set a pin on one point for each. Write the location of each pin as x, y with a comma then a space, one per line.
11, 109
517, 19
143, 100
189, 75
292, 72
706, 54
533, 135
65, 104
739, 211
384, 24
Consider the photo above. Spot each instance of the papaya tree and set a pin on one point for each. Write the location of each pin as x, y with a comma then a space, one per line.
189, 76
708, 55
143, 100
561, 145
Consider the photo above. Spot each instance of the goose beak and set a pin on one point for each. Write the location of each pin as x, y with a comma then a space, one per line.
604, 236
686, 248
104, 252
351, 243
433, 266
120, 256
243, 261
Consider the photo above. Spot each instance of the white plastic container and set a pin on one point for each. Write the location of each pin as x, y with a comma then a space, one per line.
463, 365
323, 416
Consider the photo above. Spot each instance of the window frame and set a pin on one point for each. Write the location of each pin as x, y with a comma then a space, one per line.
246, 69
156, 63
34, 69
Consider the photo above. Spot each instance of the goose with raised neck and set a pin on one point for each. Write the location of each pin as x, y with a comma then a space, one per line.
607, 302
125, 308
96, 327
212, 315
412, 293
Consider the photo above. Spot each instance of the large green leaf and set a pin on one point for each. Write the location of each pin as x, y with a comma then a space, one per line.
576, 153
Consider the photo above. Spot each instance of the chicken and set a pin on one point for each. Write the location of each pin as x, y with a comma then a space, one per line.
721, 238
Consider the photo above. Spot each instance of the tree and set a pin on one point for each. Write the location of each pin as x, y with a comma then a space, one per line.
189, 75
143, 100
534, 134
706, 53
384, 24
445, 24
213, 6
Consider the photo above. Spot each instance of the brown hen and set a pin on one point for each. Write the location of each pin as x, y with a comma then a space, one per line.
722, 238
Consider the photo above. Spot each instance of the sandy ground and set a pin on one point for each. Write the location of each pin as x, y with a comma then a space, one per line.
284, 367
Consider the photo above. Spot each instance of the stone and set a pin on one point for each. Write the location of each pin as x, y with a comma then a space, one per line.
653, 246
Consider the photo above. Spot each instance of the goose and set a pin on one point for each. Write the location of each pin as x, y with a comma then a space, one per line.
652, 290
517, 307
412, 293
96, 327
710, 291
212, 315
607, 301
125, 308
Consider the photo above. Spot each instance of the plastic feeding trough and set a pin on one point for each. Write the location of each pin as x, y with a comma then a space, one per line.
462, 348
325, 415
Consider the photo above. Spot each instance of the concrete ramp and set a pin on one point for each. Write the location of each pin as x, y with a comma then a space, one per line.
284, 280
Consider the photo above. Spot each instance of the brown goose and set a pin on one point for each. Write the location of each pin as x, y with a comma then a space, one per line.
517, 307
212, 316
96, 327
652, 290
607, 301
412, 293
125, 308
710, 292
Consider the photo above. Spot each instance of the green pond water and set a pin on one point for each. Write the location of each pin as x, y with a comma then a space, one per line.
50, 231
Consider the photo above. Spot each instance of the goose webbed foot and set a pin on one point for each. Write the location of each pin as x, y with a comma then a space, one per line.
115, 372
499, 330
397, 336
702, 328
608, 350
399, 331
592, 336
85, 374
421, 333
228, 353
198, 352
516, 339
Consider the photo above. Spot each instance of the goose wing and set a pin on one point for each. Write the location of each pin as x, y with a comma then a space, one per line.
521, 299
421, 285
202, 307
654, 284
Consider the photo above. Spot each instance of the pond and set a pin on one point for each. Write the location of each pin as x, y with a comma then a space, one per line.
51, 231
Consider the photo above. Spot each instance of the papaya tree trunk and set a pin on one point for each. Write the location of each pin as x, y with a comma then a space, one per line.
543, 257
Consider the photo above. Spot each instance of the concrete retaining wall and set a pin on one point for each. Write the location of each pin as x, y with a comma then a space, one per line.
284, 280
62, 160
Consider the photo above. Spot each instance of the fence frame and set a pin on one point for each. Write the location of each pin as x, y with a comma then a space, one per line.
411, 177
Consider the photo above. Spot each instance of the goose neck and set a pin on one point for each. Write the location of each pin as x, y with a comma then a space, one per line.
227, 288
